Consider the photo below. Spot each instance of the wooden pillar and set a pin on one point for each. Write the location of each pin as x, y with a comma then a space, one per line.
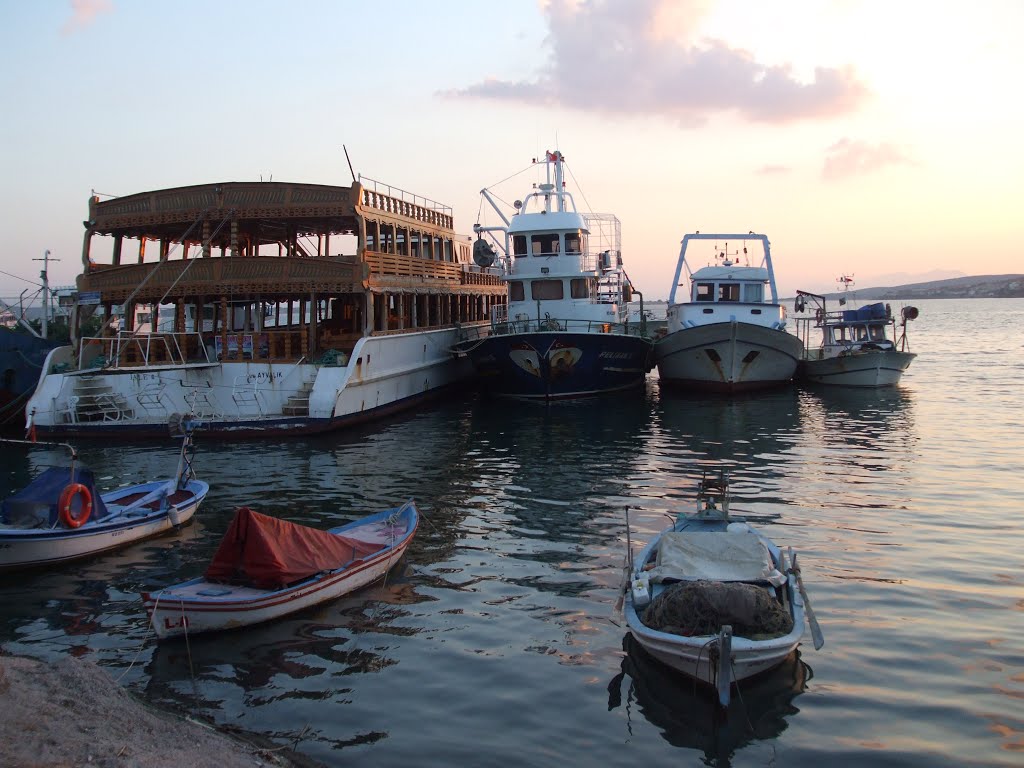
415, 302
224, 327
234, 237
165, 248
311, 335
206, 239
118, 242
142, 250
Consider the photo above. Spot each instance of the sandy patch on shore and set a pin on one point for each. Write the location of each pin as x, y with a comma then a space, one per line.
72, 713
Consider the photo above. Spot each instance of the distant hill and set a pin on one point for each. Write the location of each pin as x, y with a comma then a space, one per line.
971, 287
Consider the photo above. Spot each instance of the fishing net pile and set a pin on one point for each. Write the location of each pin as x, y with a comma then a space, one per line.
698, 608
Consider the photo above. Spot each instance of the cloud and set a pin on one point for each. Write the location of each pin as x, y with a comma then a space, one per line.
83, 12
850, 158
773, 170
625, 57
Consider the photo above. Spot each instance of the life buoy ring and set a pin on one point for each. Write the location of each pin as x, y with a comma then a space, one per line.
67, 496
819, 315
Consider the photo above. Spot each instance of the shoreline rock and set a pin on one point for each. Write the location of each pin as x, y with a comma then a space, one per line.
73, 713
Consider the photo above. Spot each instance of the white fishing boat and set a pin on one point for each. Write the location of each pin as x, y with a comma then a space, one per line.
266, 568
567, 329
714, 598
727, 334
290, 308
61, 516
862, 347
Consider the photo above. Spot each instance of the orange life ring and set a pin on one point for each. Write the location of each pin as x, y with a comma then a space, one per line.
64, 505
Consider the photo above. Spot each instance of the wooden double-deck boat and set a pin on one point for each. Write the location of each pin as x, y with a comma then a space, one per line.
274, 308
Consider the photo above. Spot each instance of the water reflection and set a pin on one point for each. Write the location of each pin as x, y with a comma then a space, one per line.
687, 714
751, 437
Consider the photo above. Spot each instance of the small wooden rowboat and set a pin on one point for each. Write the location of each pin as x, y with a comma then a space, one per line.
266, 568
61, 516
715, 599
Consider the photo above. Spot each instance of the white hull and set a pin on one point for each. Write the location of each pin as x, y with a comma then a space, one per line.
728, 356
690, 655
172, 617
22, 548
861, 369
384, 373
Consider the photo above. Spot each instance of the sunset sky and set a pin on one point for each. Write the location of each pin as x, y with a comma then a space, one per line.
879, 138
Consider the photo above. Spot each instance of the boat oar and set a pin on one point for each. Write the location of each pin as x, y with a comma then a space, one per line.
627, 569
816, 635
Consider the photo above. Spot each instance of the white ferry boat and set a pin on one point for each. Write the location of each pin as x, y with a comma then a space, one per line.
272, 330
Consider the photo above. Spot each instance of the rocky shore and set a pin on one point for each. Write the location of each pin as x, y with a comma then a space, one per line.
72, 713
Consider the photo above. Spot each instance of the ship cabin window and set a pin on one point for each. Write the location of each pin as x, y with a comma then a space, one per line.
728, 291
575, 242
518, 245
862, 332
515, 291
448, 253
579, 288
545, 290
545, 245
704, 292
876, 332
753, 293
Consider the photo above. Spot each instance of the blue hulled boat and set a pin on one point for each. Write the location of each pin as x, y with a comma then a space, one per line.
565, 331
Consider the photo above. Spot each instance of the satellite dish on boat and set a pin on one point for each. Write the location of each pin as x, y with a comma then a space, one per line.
483, 253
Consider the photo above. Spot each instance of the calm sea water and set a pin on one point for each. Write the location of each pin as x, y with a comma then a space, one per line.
496, 642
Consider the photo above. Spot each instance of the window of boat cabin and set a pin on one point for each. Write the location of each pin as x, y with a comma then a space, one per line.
704, 292
728, 291
579, 288
541, 290
519, 245
753, 293
876, 332
575, 242
515, 291
545, 245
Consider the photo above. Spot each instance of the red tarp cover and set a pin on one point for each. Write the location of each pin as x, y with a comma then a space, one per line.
268, 553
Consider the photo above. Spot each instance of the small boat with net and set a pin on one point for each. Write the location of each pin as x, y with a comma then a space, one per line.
267, 567
61, 516
715, 599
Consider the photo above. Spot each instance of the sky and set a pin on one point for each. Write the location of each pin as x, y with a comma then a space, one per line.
878, 138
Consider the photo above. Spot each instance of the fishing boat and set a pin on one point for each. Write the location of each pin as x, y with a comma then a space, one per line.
861, 347
727, 335
565, 330
715, 599
270, 309
266, 568
60, 515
